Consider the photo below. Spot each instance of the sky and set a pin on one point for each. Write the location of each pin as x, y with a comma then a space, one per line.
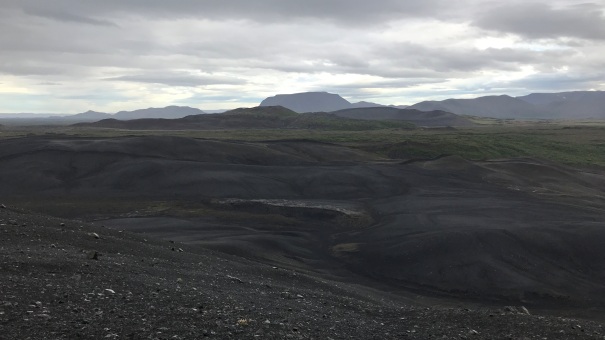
70, 56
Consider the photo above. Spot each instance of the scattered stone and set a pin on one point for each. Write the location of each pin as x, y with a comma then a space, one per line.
43, 316
93, 255
234, 279
510, 309
524, 310
95, 235
110, 291
2, 206
62, 224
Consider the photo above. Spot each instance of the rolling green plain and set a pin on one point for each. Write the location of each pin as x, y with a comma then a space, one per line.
571, 143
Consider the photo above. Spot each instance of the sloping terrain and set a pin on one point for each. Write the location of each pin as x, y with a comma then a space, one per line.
64, 279
267, 117
570, 105
416, 117
563, 105
516, 231
488, 106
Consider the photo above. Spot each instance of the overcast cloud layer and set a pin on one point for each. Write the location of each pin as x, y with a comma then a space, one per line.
68, 56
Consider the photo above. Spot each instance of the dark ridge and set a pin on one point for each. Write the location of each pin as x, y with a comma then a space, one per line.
419, 118
267, 117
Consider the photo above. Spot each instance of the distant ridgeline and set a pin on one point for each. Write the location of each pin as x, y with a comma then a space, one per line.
267, 117
564, 105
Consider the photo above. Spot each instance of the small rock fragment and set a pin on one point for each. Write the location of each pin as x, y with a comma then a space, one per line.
510, 309
235, 279
93, 255
43, 316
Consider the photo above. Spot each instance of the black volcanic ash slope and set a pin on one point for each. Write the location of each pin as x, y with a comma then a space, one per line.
521, 230
63, 279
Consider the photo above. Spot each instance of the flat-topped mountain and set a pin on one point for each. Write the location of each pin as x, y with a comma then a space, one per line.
313, 102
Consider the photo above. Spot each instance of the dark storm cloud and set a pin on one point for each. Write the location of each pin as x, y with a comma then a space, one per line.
60, 15
177, 79
542, 20
360, 13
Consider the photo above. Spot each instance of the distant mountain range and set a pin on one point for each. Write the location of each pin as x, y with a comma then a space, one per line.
261, 117
564, 105
169, 112
314, 102
279, 117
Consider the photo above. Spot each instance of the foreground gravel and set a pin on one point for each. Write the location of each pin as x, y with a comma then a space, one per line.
64, 279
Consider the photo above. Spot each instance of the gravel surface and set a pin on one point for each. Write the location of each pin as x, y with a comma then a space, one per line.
64, 279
